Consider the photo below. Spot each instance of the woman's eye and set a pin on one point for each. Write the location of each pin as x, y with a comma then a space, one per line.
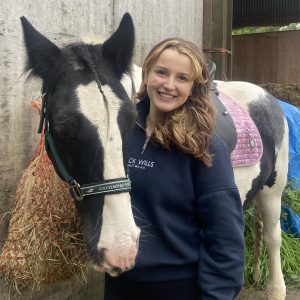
160, 72
183, 78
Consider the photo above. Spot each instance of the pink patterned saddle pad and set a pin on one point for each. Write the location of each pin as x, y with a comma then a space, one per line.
249, 147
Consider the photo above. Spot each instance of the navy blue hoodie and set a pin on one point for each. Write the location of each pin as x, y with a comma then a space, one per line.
190, 216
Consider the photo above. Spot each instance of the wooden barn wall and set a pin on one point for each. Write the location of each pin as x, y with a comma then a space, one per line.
63, 21
217, 16
267, 57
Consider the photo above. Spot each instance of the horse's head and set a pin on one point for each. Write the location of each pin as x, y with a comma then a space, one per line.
88, 113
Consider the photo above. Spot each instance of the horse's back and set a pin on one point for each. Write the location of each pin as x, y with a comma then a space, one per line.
262, 107
270, 121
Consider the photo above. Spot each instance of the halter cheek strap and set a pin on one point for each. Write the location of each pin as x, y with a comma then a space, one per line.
77, 191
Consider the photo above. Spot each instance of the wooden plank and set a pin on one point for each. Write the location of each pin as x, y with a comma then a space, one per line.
228, 38
267, 57
288, 65
207, 27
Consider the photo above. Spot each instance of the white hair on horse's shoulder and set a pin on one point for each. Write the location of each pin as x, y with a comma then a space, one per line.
92, 39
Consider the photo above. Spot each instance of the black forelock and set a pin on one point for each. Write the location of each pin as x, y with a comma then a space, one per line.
87, 63
70, 69
82, 54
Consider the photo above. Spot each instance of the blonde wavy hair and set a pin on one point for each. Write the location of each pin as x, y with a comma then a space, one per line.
189, 127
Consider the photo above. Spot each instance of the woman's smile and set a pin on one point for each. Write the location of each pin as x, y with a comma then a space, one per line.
166, 96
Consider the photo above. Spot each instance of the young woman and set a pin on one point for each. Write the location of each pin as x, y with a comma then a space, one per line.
183, 192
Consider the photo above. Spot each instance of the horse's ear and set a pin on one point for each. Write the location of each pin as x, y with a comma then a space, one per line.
41, 53
119, 47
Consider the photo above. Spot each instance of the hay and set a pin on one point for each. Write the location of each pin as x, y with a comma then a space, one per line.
44, 242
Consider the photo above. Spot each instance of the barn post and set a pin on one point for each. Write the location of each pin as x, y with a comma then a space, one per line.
217, 28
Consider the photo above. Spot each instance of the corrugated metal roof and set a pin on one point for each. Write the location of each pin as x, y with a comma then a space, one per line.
265, 12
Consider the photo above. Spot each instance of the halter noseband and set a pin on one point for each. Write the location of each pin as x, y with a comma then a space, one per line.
77, 191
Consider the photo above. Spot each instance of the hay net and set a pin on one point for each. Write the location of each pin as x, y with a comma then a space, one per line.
44, 242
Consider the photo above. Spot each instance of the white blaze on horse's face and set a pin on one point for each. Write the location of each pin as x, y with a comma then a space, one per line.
118, 239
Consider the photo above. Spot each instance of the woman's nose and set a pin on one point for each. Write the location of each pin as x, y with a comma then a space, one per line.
169, 84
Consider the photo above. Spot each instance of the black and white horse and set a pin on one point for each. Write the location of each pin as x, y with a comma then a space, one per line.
87, 114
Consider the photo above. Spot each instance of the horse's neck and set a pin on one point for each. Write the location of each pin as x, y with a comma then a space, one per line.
136, 76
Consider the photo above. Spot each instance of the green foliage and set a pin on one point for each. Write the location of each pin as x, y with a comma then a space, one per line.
290, 248
291, 197
292, 26
249, 30
255, 29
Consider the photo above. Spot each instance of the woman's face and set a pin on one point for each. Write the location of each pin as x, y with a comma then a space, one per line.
169, 81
